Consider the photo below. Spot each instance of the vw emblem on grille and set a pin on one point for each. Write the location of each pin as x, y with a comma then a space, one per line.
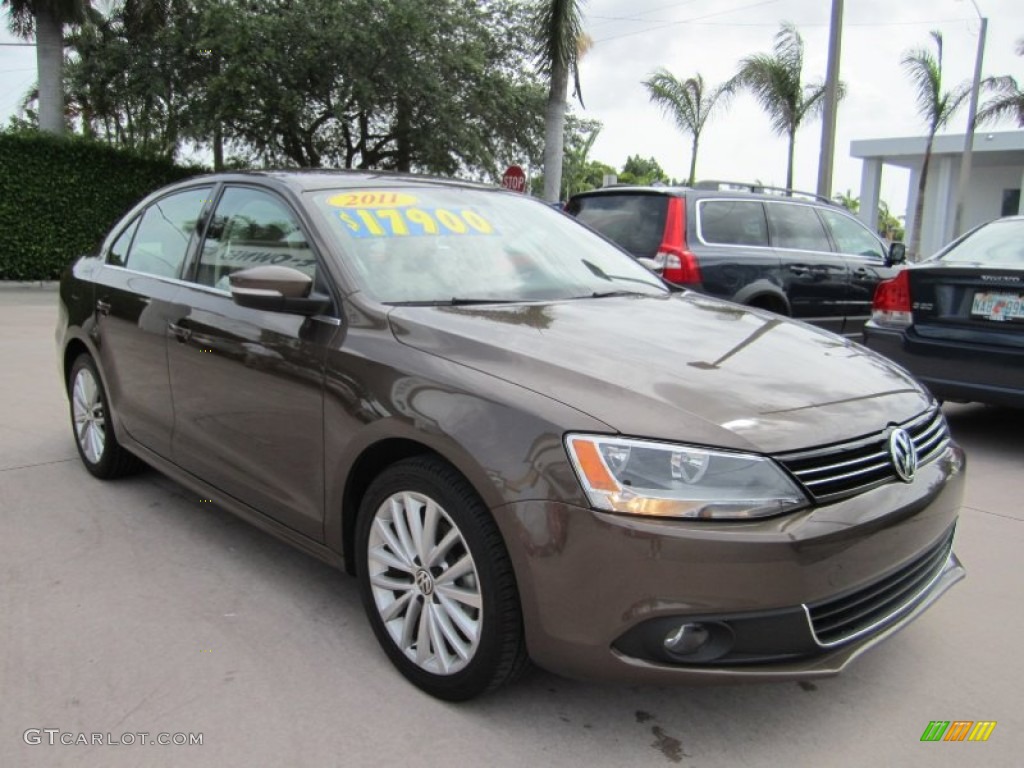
903, 455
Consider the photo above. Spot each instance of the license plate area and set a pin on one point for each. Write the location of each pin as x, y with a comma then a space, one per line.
998, 306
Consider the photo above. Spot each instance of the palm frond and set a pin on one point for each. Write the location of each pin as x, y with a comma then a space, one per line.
926, 76
689, 103
1007, 101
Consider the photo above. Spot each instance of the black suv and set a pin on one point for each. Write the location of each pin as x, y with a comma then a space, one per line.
793, 253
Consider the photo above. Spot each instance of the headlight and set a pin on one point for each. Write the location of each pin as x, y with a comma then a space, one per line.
643, 477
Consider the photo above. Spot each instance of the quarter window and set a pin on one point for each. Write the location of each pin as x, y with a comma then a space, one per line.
118, 255
851, 236
251, 227
733, 222
163, 235
797, 227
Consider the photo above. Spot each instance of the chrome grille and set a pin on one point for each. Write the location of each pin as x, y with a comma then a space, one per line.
843, 618
846, 469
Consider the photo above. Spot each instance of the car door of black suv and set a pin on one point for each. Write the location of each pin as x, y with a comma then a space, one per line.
815, 278
865, 253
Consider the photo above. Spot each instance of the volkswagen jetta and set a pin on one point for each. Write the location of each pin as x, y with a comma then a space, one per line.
521, 442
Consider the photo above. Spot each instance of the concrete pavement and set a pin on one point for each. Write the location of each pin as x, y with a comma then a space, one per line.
131, 606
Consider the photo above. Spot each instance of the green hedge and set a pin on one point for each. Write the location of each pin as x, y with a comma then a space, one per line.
60, 196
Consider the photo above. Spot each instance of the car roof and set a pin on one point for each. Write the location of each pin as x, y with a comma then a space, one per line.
699, 192
307, 179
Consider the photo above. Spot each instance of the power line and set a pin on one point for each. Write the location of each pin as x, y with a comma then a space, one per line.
29, 45
825, 24
687, 21
638, 14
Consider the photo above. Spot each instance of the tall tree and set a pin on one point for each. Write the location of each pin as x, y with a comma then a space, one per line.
413, 86
775, 81
45, 19
576, 166
936, 106
689, 103
560, 42
1008, 98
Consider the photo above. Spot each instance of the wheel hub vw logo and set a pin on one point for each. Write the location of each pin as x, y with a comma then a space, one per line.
424, 582
903, 455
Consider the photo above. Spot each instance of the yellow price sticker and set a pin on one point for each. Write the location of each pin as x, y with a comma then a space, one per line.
371, 199
414, 222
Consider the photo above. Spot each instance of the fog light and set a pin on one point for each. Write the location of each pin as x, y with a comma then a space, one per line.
687, 638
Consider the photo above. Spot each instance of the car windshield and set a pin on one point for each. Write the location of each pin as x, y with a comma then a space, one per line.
997, 244
456, 245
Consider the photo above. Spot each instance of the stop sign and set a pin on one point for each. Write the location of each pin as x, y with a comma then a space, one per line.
514, 178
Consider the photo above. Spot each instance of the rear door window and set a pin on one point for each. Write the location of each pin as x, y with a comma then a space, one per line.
635, 222
732, 222
796, 227
164, 232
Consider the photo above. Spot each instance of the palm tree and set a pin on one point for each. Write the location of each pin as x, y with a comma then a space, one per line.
560, 42
46, 19
1008, 100
774, 79
936, 107
690, 103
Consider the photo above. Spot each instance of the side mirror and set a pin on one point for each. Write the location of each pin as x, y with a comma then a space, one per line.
277, 289
897, 254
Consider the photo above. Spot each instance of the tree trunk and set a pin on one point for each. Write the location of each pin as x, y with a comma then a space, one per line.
915, 235
50, 63
693, 162
789, 162
218, 147
403, 138
554, 133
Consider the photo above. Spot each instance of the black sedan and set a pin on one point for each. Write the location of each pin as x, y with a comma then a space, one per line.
956, 321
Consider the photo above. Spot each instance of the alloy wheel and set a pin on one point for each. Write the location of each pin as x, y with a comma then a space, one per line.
424, 583
88, 414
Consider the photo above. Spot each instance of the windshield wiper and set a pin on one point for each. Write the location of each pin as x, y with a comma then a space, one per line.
454, 301
610, 294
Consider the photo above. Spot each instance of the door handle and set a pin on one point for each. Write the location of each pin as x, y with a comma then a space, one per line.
182, 334
103, 307
799, 269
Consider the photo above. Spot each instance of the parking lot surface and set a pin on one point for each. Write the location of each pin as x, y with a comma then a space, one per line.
133, 607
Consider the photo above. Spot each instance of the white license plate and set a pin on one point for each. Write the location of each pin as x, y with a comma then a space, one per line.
998, 306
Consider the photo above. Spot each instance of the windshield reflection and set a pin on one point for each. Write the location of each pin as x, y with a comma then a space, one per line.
461, 246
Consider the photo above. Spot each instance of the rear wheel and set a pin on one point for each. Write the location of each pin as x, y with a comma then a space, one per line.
97, 445
436, 581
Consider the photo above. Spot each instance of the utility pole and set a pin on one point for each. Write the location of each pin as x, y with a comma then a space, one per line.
972, 111
828, 127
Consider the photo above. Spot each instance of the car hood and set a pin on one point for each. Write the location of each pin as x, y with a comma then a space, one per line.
684, 367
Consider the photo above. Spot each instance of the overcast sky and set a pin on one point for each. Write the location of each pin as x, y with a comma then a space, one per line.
634, 37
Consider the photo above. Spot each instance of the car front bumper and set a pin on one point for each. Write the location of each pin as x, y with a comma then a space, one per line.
954, 370
600, 592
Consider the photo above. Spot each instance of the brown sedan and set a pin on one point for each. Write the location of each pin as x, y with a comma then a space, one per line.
521, 442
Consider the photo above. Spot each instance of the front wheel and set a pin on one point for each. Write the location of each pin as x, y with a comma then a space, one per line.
436, 581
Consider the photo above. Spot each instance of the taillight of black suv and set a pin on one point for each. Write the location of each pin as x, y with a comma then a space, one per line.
674, 261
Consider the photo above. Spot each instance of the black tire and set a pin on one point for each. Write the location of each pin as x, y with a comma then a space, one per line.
111, 460
499, 655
